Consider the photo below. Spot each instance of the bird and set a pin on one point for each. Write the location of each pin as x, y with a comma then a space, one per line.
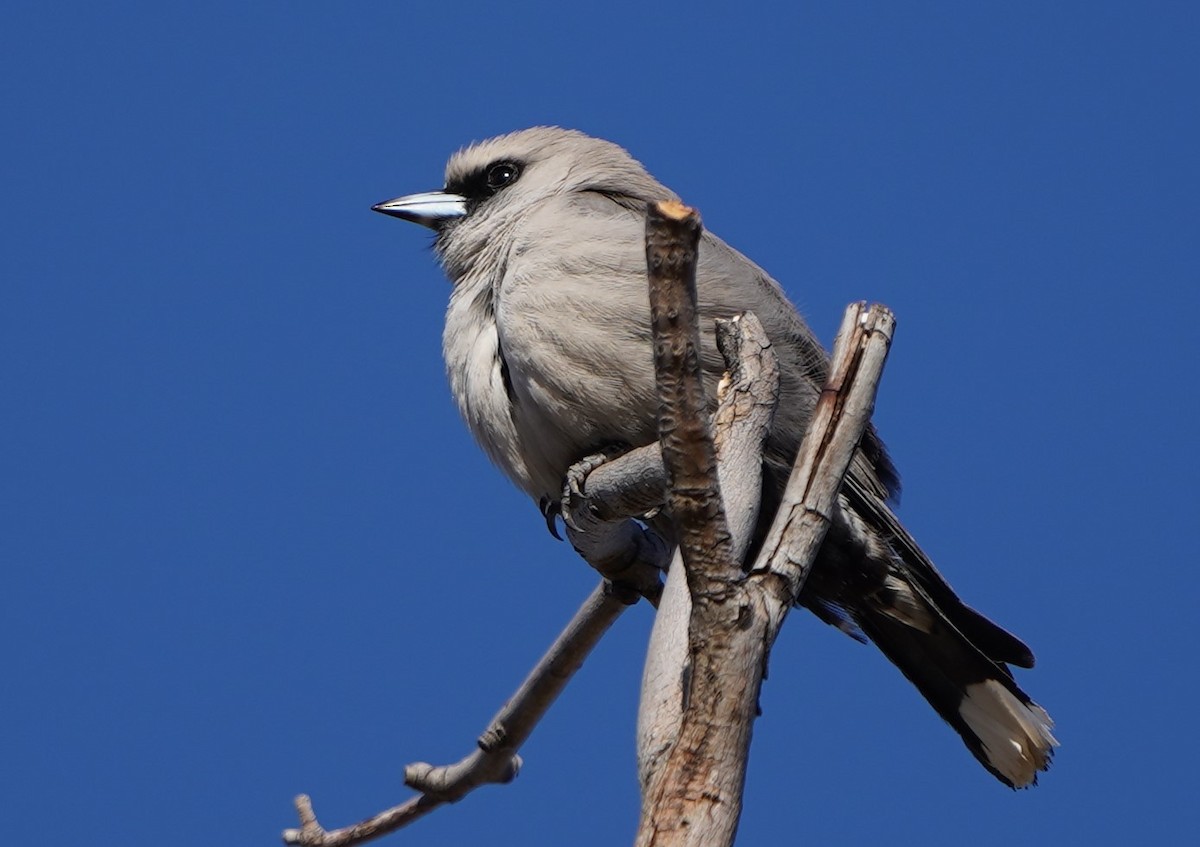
547, 346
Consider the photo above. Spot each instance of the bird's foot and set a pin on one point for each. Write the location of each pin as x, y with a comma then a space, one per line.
574, 500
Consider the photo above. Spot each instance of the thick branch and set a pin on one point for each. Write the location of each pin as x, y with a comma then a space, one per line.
694, 499
747, 398
696, 791
694, 798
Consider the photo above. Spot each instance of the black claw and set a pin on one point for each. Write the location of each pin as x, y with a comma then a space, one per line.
550, 511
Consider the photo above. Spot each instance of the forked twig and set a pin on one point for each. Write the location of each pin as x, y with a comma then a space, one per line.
692, 795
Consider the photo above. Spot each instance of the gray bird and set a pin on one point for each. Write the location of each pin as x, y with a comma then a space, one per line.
548, 351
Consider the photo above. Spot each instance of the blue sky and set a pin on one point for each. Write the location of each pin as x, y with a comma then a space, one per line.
248, 549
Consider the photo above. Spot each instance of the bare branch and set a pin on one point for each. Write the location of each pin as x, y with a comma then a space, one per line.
694, 798
846, 404
677, 800
694, 498
748, 396
632, 484
496, 760
746, 402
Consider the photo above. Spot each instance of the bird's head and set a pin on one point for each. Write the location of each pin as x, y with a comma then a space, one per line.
491, 184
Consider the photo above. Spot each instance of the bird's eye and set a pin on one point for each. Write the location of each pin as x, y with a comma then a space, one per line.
502, 174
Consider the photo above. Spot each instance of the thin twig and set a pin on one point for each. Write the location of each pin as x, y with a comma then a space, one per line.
496, 760
846, 404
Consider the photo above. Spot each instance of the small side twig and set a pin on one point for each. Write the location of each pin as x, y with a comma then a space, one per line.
841, 416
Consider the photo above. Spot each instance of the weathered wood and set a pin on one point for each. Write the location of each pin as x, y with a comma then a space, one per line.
746, 401
694, 495
747, 398
696, 789
694, 796
846, 404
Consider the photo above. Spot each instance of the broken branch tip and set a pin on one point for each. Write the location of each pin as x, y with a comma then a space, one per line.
674, 210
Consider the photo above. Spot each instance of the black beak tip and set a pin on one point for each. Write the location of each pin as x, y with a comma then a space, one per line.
383, 209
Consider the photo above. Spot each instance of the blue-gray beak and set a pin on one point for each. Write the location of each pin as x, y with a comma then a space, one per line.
430, 209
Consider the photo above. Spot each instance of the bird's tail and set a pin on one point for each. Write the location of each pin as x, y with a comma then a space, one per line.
1007, 732
956, 657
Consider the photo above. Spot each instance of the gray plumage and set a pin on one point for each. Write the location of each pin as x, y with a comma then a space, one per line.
547, 347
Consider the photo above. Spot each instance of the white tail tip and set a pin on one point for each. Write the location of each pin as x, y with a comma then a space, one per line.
1015, 737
